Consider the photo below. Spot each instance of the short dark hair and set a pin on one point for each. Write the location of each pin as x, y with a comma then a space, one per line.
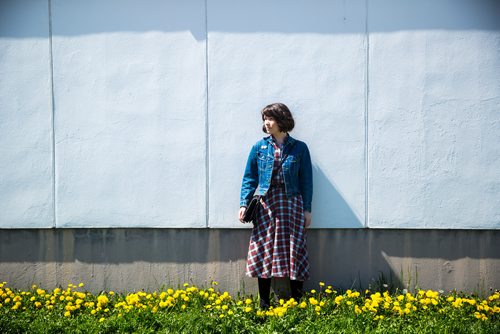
281, 115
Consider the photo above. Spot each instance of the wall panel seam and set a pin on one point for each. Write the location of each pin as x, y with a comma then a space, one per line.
367, 92
52, 115
207, 127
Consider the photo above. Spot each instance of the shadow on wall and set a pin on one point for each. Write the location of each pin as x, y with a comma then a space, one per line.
72, 18
329, 204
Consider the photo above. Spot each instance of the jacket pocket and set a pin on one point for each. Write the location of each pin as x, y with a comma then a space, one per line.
262, 161
291, 165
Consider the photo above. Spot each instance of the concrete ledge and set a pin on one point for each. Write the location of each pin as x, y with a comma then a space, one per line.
134, 259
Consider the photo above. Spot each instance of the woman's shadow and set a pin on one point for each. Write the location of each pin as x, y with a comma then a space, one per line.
330, 208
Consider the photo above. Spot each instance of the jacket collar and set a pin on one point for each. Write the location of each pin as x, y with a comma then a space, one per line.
289, 140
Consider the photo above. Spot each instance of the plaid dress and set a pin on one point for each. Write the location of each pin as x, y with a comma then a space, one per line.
278, 241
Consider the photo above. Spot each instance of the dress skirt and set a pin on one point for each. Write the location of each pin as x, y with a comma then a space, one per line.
278, 241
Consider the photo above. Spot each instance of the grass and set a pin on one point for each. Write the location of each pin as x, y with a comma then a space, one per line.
207, 310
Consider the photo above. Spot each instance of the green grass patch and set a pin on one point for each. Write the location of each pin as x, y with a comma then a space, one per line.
192, 309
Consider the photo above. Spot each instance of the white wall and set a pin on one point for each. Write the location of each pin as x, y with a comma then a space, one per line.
26, 169
130, 113
156, 105
307, 56
434, 114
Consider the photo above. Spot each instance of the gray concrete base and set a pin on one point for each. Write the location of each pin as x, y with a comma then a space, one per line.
134, 259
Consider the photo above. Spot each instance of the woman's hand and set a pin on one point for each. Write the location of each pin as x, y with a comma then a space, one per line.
308, 218
242, 213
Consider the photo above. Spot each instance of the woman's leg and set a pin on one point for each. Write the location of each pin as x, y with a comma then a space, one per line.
264, 292
296, 289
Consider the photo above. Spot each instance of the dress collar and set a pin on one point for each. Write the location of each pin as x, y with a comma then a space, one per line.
288, 140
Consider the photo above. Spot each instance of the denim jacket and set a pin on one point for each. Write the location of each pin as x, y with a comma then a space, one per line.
297, 170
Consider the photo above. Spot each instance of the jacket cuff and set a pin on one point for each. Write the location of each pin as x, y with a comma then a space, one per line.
307, 208
243, 203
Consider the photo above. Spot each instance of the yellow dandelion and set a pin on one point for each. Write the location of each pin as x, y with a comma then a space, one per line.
102, 300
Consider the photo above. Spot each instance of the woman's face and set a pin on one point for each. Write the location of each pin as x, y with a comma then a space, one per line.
271, 125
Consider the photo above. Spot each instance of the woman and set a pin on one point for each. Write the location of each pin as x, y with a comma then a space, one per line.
280, 166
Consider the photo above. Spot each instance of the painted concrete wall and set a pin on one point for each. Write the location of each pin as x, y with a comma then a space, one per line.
136, 259
122, 114
129, 90
26, 170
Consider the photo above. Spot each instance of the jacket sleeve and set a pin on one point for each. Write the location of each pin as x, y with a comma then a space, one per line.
250, 178
306, 179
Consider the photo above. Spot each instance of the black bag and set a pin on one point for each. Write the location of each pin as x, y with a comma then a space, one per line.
250, 215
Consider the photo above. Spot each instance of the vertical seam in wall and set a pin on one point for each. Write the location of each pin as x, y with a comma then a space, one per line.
51, 78
207, 141
367, 92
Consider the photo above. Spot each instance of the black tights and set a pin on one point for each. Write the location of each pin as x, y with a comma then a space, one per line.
265, 291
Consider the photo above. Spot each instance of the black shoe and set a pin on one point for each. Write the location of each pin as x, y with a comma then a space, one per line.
264, 304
